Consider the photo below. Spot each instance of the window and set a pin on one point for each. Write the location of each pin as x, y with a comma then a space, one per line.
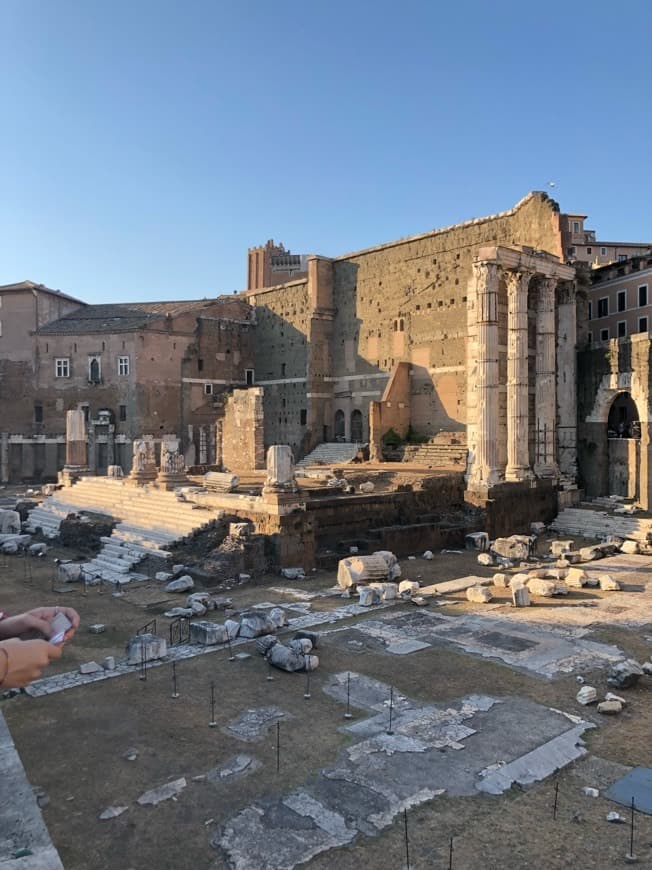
642, 324
603, 252
200, 365
622, 300
62, 367
622, 329
249, 375
590, 311
122, 413
303, 417
94, 370
589, 250
590, 338
642, 295
576, 226
604, 334
571, 252
282, 370
87, 412
603, 307
622, 258
38, 413
123, 365
208, 389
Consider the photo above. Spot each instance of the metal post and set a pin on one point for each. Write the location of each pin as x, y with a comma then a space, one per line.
348, 714
175, 693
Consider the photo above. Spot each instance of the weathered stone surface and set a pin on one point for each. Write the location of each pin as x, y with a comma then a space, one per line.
177, 612
278, 617
587, 695
501, 580
69, 572
265, 643
108, 663
163, 576
281, 656
293, 573
97, 628
89, 668
520, 596
609, 708
543, 588
207, 633
145, 648
181, 584
625, 674
428, 555
608, 584
365, 569
576, 577
478, 594
560, 548
39, 549
485, 559
537, 528
368, 596
240, 530
630, 547
460, 584
112, 813
162, 793
232, 628
408, 587
477, 541
254, 624
516, 547
9, 522
589, 554
312, 636
519, 580
386, 591
647, 668
367, 486
302, 646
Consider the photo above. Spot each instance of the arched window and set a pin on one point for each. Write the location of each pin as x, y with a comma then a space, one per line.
356, 426
339, 426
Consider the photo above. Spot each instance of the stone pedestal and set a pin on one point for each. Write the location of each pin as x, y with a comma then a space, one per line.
76, 448
280, 470
172, 470
143, 468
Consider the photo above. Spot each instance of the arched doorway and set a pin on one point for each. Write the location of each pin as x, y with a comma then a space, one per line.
356, 426
340, 433
624, 447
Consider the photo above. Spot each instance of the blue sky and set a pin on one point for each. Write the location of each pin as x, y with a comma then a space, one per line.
146, 144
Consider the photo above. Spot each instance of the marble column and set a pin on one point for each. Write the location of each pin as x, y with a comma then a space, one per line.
518, 461
546, 387
567, 382
486, 471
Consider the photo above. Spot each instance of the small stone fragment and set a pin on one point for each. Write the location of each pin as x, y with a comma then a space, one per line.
108, 663
181, 584
520, 596
162, 793
368, 596
609, 707
576, 577
207, 633
608, 584
278, 616
163, 576
293, 573
589, 554
591, 792
560, 548
408, 587
587, 695
145, 648
265, 643
501, 580
428, 555
131, 754
312, 636
611, 697
479, 594
112, 813
630, 547
543, 588
97, 628
485, 559
89, 668
625, 674
616, 818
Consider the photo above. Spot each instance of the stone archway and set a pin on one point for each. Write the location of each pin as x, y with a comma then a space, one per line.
624, 447
340, 426
356, 426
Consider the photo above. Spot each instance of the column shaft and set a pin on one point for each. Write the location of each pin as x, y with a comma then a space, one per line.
546, 392
518, 461
486, 472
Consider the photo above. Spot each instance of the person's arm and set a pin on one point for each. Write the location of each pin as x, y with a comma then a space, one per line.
37, 621
22, 661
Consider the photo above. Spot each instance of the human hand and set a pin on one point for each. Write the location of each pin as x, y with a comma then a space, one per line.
38, 621
25, 660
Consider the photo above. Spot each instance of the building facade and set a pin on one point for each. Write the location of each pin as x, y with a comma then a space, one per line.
581, 246
620, 300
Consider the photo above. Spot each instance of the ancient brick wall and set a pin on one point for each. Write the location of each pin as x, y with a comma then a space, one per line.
392, 412
242, 432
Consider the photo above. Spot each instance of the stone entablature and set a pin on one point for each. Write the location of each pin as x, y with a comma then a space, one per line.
508, 439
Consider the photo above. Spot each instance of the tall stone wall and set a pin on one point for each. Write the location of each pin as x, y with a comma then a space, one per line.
400, 302
241, 430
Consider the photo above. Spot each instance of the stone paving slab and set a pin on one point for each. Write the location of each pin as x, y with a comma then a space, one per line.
380, 774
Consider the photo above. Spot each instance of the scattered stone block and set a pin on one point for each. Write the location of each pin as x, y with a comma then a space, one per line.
278, 616
312, 636
590, 554
542, 588
616, 818
477, 541
592, 582
90, 668
608, 584
286, 659
182, 584
112, 813
368, 596
362, 569
576, 577
647, 668
537, 528
232, 628
630, 547
177, 612
9, 522
145, 648
39, 549
162, 793
521, 596
611, 697
254, 624
97, 628
293, 573
108, 663
501, 580
221, 481
386, 591
428, 555
625, 674
239, 530
408, 587
460, 584
587, 695
485, 559
265, 643
242, 656
591, 792
516, 547
301, 645
560, 548
69, 572
163, 576
179, 569
519, 580
207, 633
478, 594
367, 486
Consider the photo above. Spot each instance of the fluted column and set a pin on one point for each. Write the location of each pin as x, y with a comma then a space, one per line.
518, 460
546, 387
567, 383
485, 471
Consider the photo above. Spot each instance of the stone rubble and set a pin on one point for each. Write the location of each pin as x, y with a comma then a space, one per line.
112, 813
478, 594
587, 695
624, 675
145, 648
182, 584
162, 793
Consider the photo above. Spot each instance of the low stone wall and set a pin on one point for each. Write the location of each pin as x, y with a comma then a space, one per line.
513, 506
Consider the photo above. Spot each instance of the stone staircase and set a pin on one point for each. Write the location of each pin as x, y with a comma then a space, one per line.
149, 520
331, 454
445, 450
589, 523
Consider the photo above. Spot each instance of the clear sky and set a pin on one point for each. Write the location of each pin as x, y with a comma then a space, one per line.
147, 143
